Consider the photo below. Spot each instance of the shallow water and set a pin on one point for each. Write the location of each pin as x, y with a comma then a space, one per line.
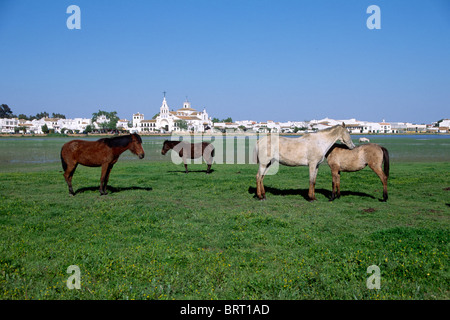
405, 148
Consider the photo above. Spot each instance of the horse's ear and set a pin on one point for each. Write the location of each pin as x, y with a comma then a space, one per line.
343, 124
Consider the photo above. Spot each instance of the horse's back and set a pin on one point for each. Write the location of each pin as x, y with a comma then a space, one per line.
373, 153
287, 151
354, 159
194, 150
88, 153
72, 146
295, 151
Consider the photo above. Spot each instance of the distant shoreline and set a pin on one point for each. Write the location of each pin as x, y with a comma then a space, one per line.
10, 135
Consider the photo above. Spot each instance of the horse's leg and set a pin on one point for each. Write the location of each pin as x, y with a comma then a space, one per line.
105, 183
258, 187
313, 168
102, 189
338, 184
380, 173
207, 154
68, 174
335, 177
261, 181
208, 160
260, 192
185, 164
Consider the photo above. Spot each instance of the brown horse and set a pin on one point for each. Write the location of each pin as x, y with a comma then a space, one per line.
340, 158
103, 152
188, 150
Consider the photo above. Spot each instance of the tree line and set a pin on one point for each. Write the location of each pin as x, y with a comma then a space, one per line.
6, 112
104, 126
215, 120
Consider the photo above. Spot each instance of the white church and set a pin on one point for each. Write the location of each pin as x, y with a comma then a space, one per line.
184, 119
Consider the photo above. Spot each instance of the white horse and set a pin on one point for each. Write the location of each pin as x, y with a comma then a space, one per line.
363, 139
307, 150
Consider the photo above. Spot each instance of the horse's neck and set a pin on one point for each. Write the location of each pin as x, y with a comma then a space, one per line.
330, 139
173, 144
117, 151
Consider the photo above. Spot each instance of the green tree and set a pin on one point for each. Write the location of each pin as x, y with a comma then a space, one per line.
88, 128
110, 124
215, 120
182, 124
58, 115
42, 115
5, 111
45, 129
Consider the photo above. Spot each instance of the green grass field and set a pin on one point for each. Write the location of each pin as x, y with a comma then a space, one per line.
164, 234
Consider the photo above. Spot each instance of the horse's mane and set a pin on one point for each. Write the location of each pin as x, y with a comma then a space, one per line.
115, 142
323, 130
138, 137
330, 128
171, 142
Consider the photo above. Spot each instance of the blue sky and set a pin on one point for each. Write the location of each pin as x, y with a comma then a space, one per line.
250, 60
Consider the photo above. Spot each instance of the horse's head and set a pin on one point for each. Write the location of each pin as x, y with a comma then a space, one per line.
136, 146
165, 147
345, 137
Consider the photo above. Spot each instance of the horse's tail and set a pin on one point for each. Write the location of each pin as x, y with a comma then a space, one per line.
63, 162
386, 161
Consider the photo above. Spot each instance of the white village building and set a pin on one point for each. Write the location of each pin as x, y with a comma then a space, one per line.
7, 125
169, 121
353, 125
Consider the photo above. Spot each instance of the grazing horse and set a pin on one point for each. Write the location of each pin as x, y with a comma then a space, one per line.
340, 158
307, 150
103, 152
363, 139
188, 150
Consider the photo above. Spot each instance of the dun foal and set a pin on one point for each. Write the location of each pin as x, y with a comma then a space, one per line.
342, 159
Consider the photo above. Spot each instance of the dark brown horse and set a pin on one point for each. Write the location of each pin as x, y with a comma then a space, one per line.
188, 150
103, 152
340, 158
